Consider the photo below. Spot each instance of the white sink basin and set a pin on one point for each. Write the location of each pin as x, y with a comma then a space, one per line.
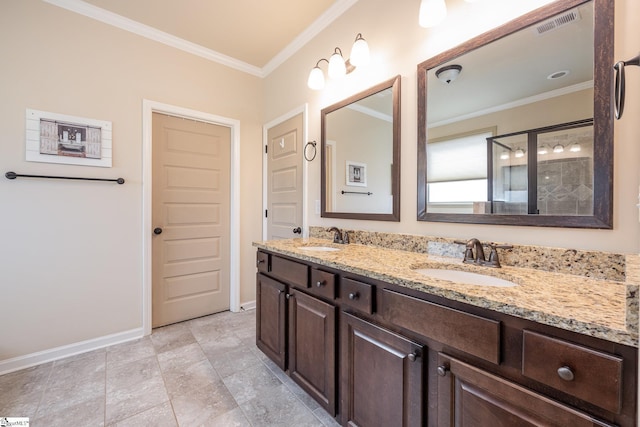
466, 277
319, 248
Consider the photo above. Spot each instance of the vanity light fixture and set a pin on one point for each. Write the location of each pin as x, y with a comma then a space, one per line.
504, 155
575, 147
338, 67
432, 12
558, 148
519, 153
449, 73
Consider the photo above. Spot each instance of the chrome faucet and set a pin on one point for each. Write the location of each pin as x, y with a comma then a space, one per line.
338, 237
474, 253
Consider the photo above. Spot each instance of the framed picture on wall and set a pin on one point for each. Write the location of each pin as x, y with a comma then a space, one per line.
59, 138
356, 174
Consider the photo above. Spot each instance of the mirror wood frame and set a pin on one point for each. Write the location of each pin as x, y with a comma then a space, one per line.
602, 217
394, 85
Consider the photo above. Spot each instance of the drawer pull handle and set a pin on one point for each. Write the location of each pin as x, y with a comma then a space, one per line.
320, 283
260, 261
442, 370
413, 356
354, 296
566, 373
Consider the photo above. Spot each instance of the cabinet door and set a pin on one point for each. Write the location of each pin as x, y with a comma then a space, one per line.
468, 396
271, 319
312, 346
381, 376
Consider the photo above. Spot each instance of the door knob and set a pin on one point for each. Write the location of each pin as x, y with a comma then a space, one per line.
566, 373
157, 230
442, 370
297, 230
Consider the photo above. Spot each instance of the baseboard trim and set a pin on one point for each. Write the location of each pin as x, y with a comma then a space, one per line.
249, 305
40, 357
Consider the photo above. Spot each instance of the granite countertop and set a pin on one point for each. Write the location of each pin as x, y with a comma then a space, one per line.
592, 307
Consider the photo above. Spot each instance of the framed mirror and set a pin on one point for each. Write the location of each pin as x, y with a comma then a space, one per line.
360, 154
515, 126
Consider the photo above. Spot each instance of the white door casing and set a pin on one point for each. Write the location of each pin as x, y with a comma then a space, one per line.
148, 108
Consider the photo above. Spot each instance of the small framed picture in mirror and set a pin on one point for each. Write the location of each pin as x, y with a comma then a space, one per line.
356, 174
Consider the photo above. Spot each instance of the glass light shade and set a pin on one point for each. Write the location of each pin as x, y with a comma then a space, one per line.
316, 79
519, 153
575, 147
432, 12
504, 155
543, 149
359, 52
337, 67
559, 148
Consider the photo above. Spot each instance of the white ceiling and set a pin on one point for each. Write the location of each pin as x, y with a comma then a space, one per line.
254, 36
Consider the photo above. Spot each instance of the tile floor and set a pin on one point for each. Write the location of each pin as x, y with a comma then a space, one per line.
203, 372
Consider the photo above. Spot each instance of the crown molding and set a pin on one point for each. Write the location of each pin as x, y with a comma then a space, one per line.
323, 21
119, 21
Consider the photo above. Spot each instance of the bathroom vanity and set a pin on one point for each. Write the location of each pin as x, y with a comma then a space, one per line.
377, 342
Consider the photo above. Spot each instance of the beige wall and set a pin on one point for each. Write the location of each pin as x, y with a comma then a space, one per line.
71, 252
397, 45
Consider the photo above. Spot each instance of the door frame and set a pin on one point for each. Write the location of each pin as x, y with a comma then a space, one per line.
305, 167
148, 108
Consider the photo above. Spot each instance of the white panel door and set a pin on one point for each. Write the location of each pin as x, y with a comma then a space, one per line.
284, 179
191, 219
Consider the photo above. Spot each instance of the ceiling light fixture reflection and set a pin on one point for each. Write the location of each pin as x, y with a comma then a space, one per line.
504, 155
558, 148
575, 147
519, 153
449, 73
432, 12
543, 149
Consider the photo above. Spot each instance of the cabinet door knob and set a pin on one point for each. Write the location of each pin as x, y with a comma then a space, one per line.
566, 373
354, 296
442, 370
157, 231
287, 296
413, 356
320, 283
260, 261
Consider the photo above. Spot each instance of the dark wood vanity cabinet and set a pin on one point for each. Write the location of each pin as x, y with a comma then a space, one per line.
312, 347
470, 397
381, 376
376, 354
296, 329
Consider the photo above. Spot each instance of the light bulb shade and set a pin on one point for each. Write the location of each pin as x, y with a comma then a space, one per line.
316, 79
359, 52
543, 149
558, 148
519, 153
504, 155
575, 147
337, 68
432, 12
448, 73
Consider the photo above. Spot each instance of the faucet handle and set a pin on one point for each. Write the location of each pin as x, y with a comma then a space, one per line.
494, 260
345, 237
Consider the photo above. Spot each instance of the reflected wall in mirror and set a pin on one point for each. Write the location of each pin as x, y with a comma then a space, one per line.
360, 173
486, 139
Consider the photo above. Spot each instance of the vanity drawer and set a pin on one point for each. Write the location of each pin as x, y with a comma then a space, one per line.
292, 272
467, 332
357, 295
587, 374
262, 262
323, 284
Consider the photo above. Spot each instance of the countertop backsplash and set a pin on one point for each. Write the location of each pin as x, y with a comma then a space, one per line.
592, 264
